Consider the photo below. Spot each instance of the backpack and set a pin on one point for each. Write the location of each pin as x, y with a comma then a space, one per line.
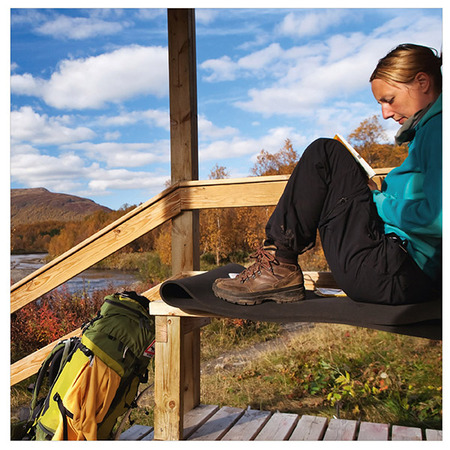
94, 379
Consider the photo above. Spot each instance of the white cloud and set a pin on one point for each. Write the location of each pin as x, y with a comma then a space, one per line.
30, 126
118, 154
92, 82
112, 135
62, 173
222, 69
78, 27
207, 130
205, 16
103, 181
239, 146
339, 70
70, 173
312, 23
153, 117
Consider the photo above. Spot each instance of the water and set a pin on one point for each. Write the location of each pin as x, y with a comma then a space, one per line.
90, 280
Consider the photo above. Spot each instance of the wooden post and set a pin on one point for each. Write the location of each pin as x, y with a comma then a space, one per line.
177, 384
183, 132
168, 421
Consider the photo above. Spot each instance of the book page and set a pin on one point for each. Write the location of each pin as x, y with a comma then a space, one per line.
370, 172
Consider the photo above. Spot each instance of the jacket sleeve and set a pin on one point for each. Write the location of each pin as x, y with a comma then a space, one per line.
422, 212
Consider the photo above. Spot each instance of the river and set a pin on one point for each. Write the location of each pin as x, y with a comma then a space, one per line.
90, 280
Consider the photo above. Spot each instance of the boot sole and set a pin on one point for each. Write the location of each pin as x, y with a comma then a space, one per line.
286, 295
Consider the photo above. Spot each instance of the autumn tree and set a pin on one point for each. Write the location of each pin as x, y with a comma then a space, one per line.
369, 139
216, 225
282, 162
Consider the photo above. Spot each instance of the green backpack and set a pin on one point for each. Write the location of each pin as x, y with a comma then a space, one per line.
122, 337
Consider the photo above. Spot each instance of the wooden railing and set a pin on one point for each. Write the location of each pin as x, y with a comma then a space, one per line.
183, 196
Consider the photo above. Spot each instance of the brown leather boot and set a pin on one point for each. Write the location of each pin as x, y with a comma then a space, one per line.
266, 279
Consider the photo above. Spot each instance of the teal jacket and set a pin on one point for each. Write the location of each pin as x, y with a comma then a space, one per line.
410, 200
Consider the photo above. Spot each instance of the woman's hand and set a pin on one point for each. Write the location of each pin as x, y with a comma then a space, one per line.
372, 185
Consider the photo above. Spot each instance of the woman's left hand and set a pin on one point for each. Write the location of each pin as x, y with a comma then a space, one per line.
372, 185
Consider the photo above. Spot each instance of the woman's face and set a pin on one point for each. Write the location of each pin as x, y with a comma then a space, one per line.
399, 101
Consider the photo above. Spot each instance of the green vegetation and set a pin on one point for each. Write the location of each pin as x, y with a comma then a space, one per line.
353, 373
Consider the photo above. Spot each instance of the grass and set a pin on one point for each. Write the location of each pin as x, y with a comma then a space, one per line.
339, 370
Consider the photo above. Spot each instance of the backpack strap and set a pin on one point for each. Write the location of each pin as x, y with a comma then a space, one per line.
64, 413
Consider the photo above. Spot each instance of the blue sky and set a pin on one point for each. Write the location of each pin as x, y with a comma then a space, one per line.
89, 89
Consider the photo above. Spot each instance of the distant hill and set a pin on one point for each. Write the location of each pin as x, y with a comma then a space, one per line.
40, 205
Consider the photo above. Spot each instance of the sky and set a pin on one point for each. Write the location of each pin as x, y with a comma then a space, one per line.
89, 97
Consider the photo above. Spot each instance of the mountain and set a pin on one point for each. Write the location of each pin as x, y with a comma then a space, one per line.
40, 205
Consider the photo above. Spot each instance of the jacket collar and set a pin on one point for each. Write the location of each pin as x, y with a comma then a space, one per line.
408, 130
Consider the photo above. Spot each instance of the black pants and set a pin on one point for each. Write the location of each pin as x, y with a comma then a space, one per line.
328, 192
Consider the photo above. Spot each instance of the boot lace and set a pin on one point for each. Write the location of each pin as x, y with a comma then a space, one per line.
264, 260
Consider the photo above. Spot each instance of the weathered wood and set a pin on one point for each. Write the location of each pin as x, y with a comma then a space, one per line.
135, 433
191, 368
159, 308
369, 431
341, 430
207, 422
227, 195
182, 94
278, 428
196, 417
218, 425
248, 426
184, 167
169, 398
150, 436
433, 435
309, 428
185, 242
401, 433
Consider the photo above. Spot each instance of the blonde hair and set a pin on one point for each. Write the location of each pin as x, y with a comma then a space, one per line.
404, 62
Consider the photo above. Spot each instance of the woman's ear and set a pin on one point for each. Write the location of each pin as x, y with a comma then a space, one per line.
424, 82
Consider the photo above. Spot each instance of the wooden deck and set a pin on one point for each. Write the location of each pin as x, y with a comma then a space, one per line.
211, 423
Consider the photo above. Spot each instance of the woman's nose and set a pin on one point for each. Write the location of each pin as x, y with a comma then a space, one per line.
386, 111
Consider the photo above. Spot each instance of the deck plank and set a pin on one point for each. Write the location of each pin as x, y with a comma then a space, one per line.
309, 428
218, 424
278, 428
433, 435
209, 422
401, 433
369, 431
341, 430
135, 433
248, 426
196, 417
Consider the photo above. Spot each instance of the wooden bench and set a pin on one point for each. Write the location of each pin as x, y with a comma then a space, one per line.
177, 379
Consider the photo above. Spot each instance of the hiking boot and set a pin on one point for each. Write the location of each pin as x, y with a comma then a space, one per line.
266, 279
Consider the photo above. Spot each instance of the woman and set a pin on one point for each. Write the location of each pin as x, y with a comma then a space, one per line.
382, 246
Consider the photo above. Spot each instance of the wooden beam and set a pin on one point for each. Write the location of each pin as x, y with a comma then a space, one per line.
177, 364
169, 399
183, 131
183, 94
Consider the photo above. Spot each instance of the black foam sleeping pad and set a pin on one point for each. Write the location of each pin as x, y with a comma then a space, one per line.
194, 294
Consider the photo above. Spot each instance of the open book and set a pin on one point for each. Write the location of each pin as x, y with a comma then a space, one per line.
370, 172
